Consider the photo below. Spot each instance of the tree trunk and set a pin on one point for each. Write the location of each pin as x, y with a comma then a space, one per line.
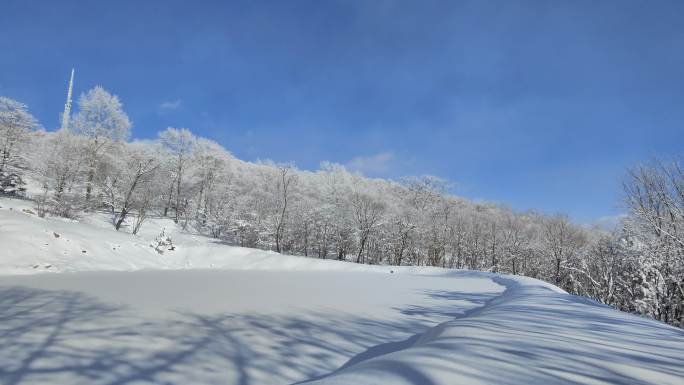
306, 239
168, 200
279, 228
122, 217
127, 201
89, 183
178, 189
401, 252
361, 246
5, 158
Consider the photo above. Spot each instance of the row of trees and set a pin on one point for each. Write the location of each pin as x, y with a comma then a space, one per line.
332, 213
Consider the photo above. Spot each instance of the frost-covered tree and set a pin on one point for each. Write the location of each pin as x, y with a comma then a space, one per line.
179, 143
654, 195
368, 211
563, 241
210, 179
15, 125
129, 185
284, 179
600, 270
102, 121
58, 163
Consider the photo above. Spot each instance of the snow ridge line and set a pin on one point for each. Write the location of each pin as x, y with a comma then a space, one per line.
524, 300
533, 333
431, 334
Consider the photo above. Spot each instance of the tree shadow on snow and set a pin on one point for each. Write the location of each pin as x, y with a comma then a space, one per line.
530, 336
65, 337
448, 309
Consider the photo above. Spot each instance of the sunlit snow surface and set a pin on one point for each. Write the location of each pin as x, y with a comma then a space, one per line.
225, 315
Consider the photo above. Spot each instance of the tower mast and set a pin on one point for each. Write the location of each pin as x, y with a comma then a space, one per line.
67, 106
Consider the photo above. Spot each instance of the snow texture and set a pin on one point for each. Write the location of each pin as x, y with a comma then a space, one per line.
208, 313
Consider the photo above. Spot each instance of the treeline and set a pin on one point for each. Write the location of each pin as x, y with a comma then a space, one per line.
332, 213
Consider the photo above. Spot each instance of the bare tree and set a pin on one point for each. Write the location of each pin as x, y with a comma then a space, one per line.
138, 170
179, 143
284, 180
562, 241
368, 212
654, 195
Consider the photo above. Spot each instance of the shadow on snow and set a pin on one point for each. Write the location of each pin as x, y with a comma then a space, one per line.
49, 336
527, 335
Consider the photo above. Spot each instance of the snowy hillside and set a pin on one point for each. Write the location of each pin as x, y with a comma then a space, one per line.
32, 244
121, 312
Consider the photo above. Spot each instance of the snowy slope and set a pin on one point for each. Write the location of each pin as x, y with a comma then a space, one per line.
530, 334
31, 244
208, 313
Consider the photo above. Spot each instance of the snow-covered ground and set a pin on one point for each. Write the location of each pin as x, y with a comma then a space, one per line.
209, 313
31, 244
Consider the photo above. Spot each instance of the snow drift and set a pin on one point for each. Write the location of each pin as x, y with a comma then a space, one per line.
530, 334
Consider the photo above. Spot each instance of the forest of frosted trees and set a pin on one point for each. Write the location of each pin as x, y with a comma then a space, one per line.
92, 165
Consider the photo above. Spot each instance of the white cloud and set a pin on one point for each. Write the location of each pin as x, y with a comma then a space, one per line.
170, 105
377, 164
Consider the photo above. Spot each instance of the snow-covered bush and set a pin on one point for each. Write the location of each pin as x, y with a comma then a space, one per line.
162, 243
11, 184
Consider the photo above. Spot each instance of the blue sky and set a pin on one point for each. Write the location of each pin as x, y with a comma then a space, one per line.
536, 104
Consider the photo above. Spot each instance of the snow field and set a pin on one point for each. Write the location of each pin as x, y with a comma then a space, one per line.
209, 313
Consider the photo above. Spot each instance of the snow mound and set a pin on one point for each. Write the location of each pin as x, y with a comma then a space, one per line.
531, 334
